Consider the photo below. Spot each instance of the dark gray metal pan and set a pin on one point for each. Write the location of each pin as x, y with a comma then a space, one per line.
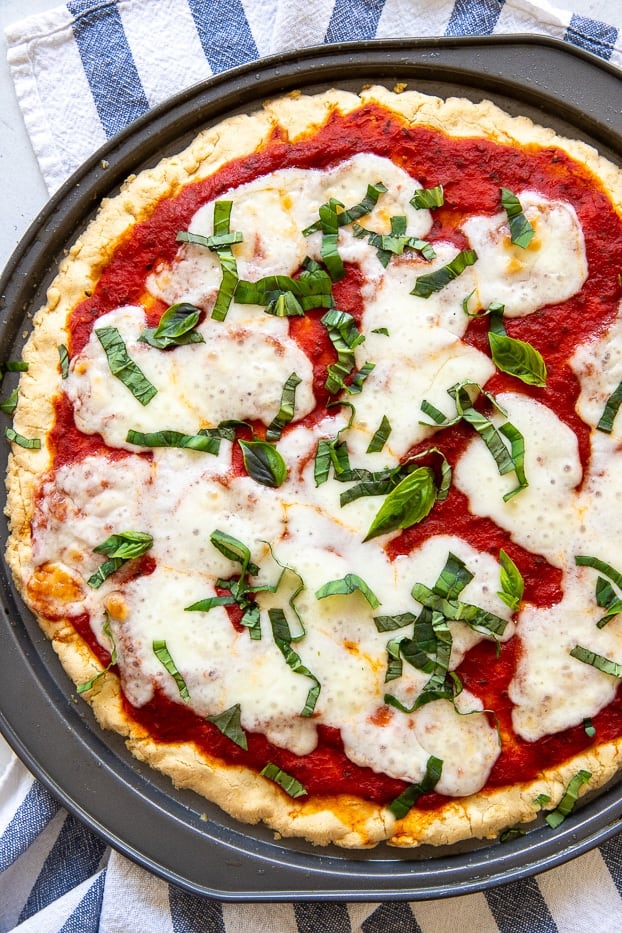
178, 835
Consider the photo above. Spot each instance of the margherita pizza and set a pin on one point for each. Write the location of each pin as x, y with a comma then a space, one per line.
316, 475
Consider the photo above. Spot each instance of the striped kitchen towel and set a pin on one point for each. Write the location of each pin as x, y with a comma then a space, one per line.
82, 72
85, 70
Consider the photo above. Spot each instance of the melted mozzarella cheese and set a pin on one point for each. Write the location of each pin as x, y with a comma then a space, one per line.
299, 532
551, 269
237, 373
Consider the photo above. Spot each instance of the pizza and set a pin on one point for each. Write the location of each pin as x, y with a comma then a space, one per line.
315, 477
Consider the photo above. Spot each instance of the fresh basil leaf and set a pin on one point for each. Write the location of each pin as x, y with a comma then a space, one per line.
381, 330
176, 328
119, 548
220, 243
585, 560
125, 545
234, 550
606, 597
9, 404
430, 282
283, 296
14, 366
427, 198
365, 206
512, 584
568, 801
394, 243
168, 438
349, 584
263, 463
380, 437
29, 443
518, 358
283, 641
589, 728
285, 781
521, 231
345, 337
89, 684
163, 655
610, 411
406, 505
599, 661
402, 805
123, 367
478, 619
286, 410
391, 623
228, 723
63, 358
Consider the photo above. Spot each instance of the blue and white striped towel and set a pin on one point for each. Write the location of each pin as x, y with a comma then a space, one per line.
82, 72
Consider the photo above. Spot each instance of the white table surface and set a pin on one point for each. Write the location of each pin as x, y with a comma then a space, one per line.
23, 192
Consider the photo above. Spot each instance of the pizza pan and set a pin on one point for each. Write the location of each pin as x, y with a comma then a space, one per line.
178, 835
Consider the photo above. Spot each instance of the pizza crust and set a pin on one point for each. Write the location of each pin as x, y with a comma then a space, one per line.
344, 821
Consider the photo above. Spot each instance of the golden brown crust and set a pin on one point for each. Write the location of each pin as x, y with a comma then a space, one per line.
348, 822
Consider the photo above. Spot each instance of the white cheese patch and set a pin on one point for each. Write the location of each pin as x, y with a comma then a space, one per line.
598, 365
551, 269
538, 517
552, 690
237, 373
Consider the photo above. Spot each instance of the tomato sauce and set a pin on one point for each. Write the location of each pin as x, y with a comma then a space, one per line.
471, 172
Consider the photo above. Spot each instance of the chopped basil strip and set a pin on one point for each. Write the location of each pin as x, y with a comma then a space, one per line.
610, 411
406, 505
263, 463
176, 328
349, 584
220, 244
381, 330
355, 212
507, 461
345, 337
429, 648
408, 798
9, 404
568, 801
63, 358
14, 366
478, 619
391, 623
285, 781
30, 443
601, 663
426, 285
521, 231
515, 357
380, 437
123, 367
512, 584
606, 596
202, 442
283, 296
394, 243
228, 722
427, 198
589, 728
241, 593
164, 657
89, 684
283, 641
119, 548
542, 799
286, 410
513, 832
